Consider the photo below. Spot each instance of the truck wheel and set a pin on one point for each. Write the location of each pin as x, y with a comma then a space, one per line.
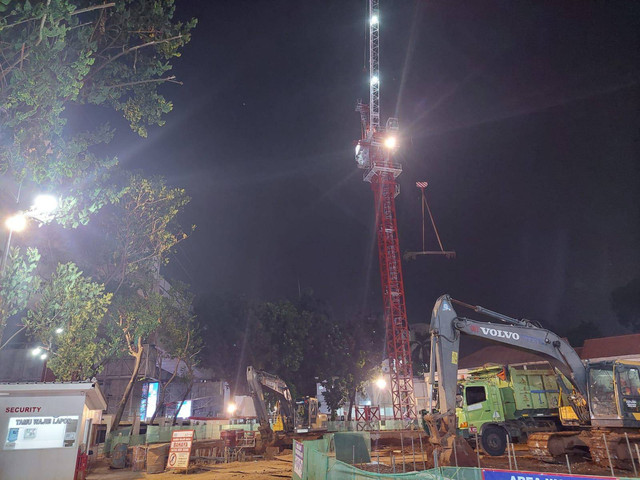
494, 440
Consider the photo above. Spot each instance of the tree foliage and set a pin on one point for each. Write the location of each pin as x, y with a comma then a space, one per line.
18, 280
65, 320
57, 53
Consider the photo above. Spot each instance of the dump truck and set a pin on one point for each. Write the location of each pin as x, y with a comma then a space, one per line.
519, 399
601, 417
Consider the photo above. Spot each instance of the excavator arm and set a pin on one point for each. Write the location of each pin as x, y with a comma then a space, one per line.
446, 329
259, 382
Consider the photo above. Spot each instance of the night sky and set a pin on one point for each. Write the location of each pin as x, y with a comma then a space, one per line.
522, 116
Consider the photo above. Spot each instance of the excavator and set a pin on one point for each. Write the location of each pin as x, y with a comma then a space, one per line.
601, 414
293, 419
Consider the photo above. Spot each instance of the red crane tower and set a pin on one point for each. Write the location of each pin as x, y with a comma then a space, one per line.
374, 154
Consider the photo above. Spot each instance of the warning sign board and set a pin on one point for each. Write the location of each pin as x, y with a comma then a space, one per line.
180, 449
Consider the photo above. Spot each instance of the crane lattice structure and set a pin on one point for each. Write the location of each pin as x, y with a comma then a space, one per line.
374, 154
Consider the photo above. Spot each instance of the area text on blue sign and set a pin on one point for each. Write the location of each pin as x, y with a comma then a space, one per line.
518, 475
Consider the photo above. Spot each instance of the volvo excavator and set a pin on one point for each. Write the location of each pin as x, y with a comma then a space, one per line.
293, 419
601, 417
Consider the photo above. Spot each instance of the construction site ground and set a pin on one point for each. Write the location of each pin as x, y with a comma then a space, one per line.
388, 455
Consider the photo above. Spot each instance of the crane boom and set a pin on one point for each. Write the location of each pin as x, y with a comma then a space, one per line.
374, 154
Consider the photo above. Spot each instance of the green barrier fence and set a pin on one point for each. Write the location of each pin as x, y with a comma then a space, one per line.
316, 460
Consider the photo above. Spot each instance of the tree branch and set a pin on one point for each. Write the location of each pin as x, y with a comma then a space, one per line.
132, 49
153, 80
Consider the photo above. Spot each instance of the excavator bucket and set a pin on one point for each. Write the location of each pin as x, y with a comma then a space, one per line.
457, 453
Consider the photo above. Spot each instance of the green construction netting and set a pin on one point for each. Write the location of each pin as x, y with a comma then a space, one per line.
352, 447
315, 460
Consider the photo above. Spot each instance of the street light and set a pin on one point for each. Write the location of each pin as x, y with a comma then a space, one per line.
42, 210
17, 222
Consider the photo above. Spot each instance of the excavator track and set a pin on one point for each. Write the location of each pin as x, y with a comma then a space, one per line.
610, 449
551, 447
606, 448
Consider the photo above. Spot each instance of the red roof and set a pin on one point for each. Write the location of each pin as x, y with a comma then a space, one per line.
500, 355
611, 346
607, 347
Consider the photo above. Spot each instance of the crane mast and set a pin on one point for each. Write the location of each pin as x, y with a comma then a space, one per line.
374, 154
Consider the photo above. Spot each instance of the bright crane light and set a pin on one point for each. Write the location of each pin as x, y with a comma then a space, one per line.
45, 203
390, 142
16, 223
381, 383
374, 20
36, 351
374, 80
231, 408
43, 356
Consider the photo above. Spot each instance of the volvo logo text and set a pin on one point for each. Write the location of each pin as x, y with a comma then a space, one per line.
499, 333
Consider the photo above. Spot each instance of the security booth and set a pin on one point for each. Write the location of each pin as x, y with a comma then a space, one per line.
45, 426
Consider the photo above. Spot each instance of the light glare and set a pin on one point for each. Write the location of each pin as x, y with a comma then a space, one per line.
231, 408
45, 203
43, 356
381, 383
59, 330
390, 142
374, 20
36, 351
16, 223
374, 80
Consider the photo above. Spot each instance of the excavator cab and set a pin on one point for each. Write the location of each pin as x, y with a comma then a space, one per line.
614, 393
308, 416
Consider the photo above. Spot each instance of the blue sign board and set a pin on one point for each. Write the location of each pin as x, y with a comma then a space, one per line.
517, 475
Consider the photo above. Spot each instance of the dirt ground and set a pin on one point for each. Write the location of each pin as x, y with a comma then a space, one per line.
279, 468
390, 457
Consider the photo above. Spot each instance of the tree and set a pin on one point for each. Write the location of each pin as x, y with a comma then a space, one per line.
334, 394
136, 315
179, 339
420, 347
625, 302
140, 232
57, 53
18, 280
364, 354
226, 323
65, 319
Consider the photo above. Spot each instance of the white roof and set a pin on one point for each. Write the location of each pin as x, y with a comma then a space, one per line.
94, 398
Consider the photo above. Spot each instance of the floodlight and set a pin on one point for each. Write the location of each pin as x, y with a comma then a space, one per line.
45, 203
381, 383
390, 142
36, 351
43, 356
231, 408
17, 222
374, 80
59, 330
374, 20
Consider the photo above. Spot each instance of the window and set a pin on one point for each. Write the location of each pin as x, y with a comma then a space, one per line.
475, 395
630, 382
603, 400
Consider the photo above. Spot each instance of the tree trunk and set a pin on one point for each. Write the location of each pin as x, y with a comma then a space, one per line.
129, 389
352, 401
179, 406
163, 393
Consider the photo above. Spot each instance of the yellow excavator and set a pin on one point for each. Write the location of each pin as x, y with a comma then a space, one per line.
601, 417
293, 419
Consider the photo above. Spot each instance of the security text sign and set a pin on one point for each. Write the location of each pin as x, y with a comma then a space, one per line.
511, 475
180, 449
